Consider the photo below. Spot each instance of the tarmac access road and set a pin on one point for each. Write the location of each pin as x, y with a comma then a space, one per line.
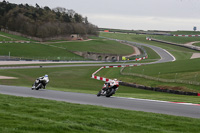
163, 107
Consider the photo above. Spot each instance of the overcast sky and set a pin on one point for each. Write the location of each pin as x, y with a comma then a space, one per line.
132, 14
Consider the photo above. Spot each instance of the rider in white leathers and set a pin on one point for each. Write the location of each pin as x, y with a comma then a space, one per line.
44, 79
112, 83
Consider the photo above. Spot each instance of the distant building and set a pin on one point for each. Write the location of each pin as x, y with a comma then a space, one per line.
76, 37
106, 30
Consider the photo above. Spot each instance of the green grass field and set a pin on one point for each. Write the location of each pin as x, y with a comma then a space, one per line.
2, 38
36, 51
151, 54
184, 69
98, 46
31, 115
15, 37
61, 51
69, 78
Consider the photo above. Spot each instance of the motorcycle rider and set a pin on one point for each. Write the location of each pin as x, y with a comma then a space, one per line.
111, 84
44, 80
109, 88
114, 83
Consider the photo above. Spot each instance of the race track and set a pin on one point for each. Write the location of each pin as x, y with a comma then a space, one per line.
162, 107
113, 102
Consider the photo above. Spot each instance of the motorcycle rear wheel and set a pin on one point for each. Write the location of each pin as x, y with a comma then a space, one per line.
110, 93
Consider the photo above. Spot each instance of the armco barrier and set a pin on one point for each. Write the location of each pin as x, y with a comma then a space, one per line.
187, 35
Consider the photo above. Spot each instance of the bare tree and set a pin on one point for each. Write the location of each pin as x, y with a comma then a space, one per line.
60, 9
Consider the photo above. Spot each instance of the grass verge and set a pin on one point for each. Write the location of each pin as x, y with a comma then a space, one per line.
15, 37
19, 114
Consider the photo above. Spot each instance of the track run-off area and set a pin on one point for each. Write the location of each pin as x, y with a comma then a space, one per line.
155, 106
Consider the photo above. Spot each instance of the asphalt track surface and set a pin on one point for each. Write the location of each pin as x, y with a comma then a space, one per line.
163, 107
154, 106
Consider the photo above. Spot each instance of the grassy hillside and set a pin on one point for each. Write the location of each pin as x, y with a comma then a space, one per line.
185, 69
11, 37
151, 54
4, 39
36, 51
20, 115
97, 45
60, 50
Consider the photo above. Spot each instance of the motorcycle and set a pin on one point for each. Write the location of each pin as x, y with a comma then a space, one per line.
37, 85
108, 90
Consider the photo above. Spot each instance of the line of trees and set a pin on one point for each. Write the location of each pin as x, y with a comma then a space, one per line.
42, 21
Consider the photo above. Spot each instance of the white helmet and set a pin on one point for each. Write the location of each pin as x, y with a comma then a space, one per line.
115, 79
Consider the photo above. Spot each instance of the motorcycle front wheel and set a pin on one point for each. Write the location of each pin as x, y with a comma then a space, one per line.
99, 93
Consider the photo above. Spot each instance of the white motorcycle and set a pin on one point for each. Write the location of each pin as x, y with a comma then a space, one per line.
108, 90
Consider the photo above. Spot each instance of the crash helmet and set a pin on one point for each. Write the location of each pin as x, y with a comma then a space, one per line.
115, 79
45, 75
